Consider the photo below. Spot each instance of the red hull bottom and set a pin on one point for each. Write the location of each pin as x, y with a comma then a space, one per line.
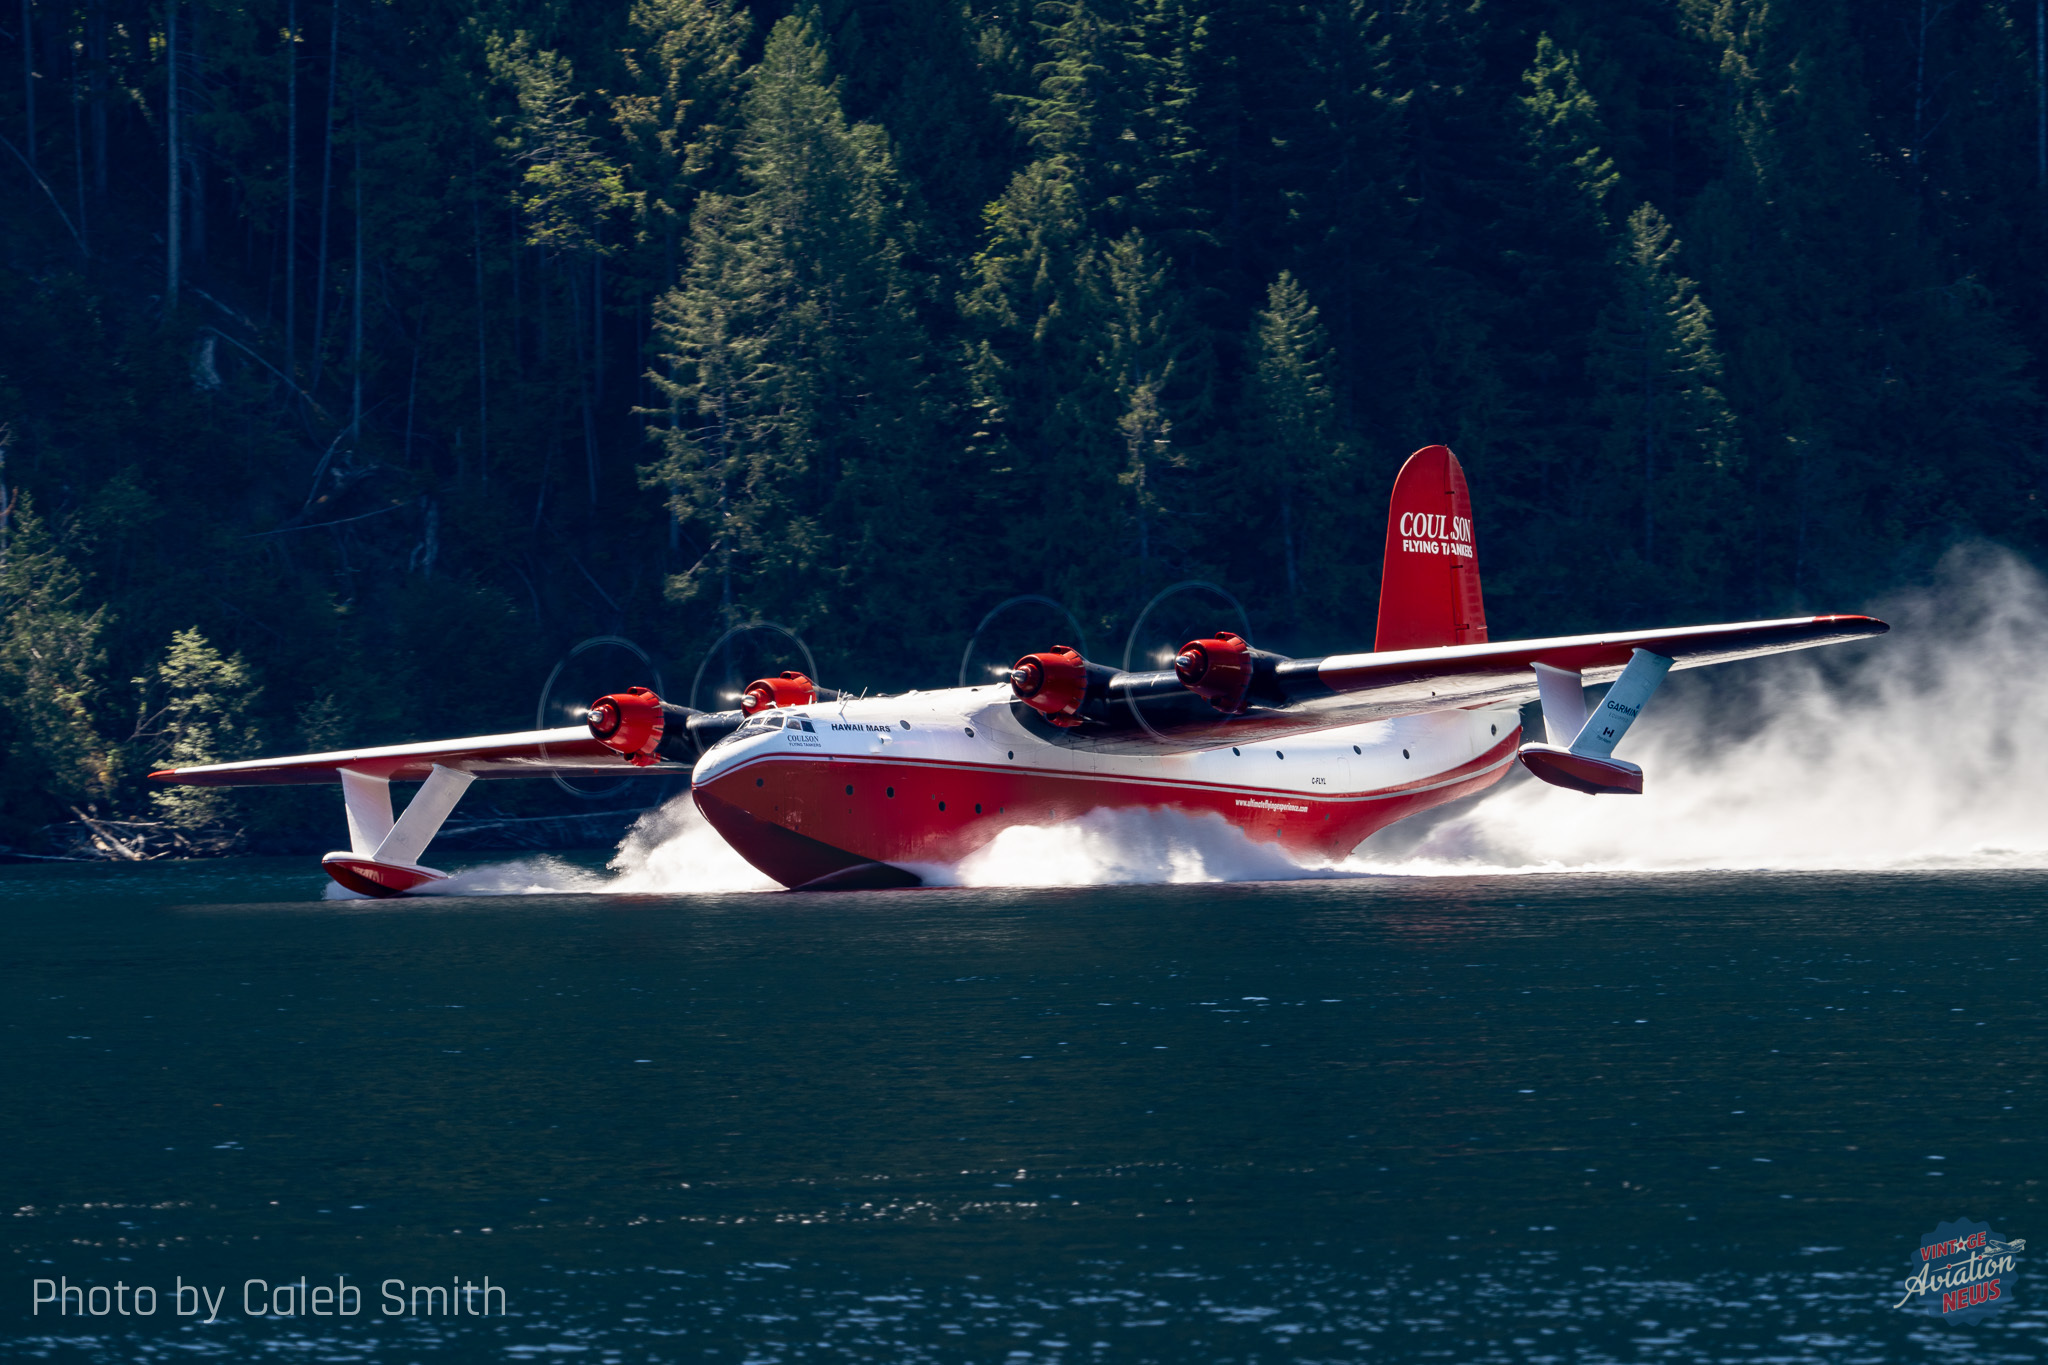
819, 822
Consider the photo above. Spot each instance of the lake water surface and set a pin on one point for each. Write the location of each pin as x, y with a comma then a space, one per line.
1687, 1117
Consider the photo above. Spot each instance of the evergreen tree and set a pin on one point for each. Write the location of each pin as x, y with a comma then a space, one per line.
1292, 450
1556, 253
791, 351
1033, 391
676, 120
1852, 348
944, 324
1670, 444
567, 186
195, 710
567, 190
51, 660
1565, 134
1156, 369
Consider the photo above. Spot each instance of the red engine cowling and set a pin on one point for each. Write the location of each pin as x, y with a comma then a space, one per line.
1219, 670
787, 689
1054, 683
629, 723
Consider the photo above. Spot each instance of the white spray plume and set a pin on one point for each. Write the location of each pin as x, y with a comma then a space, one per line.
1922, 749
1123, 847
669, 851
537, 876
672, 850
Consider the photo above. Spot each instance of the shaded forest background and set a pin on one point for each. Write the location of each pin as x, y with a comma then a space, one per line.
358, 358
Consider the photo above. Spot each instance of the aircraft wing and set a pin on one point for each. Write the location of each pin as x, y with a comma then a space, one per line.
1345, 689
533, 753
1377, 686
1145, 712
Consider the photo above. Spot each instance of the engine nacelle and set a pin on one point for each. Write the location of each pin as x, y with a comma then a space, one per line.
629, 723
785, 689
1054, 683
1218, 670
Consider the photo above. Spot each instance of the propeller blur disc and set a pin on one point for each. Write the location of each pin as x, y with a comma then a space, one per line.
601, 664
1022, 625
1186, 611
1192, 610
756, 649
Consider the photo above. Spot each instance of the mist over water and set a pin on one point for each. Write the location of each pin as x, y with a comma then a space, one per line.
674, 849
670, 850
1123, 848
1921, 749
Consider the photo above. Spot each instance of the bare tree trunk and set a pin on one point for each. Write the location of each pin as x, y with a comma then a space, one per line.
518, 315
355, 363
195, 164
6, 500
1923, 97
177, 172
1649, 435
1919, 87
1287, 546
483, 372
583, 390
78, 146
412, 389
326, 192
291, 189
96, 46
28, 76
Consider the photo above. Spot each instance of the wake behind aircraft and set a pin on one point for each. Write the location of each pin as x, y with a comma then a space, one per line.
824, 791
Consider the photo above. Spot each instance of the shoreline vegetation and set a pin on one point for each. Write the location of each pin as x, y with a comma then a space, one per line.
357, 360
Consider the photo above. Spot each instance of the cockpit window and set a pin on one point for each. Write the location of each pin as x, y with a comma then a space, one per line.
753, 725
775, 722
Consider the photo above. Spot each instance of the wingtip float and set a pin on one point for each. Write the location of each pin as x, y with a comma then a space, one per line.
824, 791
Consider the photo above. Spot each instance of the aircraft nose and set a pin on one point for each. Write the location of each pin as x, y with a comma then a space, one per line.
723, 757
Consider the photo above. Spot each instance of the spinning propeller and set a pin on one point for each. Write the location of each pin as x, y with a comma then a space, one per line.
1189, 672
636, 723
1186, 611
593, 668
1013, 628
744, 666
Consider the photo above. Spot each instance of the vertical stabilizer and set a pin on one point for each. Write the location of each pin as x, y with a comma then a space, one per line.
1429, 580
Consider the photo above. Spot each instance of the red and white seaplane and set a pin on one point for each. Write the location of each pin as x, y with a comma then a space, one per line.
823, 791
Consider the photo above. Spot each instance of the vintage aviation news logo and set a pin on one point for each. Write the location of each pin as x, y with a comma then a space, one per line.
1962, 1272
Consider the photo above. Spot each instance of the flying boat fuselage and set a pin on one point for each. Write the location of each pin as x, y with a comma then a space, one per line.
861, 792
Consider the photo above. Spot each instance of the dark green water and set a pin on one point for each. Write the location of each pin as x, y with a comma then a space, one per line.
1562, 1118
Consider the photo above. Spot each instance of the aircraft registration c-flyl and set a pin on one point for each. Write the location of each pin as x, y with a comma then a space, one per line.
823, 791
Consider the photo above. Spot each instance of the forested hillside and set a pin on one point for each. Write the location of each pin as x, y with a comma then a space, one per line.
358, 357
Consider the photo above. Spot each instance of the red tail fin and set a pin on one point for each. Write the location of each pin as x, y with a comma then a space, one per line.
1429, 582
